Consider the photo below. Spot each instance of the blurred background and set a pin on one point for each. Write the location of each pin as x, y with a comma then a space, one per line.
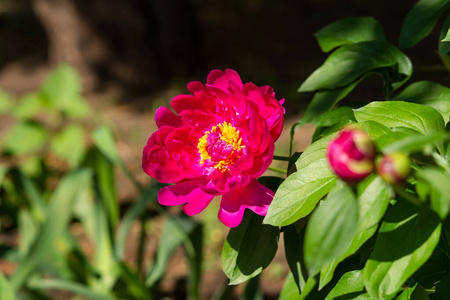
133, 56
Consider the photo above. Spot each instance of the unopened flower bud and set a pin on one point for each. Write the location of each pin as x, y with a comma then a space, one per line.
394, 167
351, 155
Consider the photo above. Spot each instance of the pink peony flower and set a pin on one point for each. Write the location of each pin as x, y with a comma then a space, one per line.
221, 139
351, 155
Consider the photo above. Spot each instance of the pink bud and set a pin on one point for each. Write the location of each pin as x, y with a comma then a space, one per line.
394, 167
351, 155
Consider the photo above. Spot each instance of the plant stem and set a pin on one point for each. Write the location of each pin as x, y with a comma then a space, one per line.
282, 158
278, 170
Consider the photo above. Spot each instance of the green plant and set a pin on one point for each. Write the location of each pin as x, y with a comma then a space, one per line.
57, 173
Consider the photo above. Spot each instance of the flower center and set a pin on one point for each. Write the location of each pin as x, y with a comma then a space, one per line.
221, 146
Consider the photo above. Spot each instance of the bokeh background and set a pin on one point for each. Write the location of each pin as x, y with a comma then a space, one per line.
136, 55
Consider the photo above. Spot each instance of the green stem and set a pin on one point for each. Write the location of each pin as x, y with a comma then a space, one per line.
282, 158
278, 170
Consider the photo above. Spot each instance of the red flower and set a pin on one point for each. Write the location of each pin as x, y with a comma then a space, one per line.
221, 140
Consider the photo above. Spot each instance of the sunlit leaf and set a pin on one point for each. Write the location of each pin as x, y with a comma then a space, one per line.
439, 183
373, 201
69, 144
427, 93
28, 106
405, 241
25, 137
58, 216
298, 195
61, 87
421, 118
351, 283
6, 291
5, 102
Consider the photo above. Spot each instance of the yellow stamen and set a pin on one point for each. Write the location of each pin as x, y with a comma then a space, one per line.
230, 136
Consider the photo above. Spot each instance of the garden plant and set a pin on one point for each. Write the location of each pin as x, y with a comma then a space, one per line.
363, 212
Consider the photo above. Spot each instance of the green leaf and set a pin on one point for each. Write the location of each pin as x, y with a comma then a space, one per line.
293, 247
339, 115
324, 101
444, 45
420, 118
447, 36
331, 228
351, 62
25, 137
252, 290
351, 283
427, 93
405, 241
289, 290
135, 211
104, 140
6, 291
397, 142
62, 87
5, 103
439, 183
104, 261
373, 201
28, 228
107, 187
170, 241
349, 31
249, 248
420, 21
69, 144
28, 106
67, 285
298, 195
58, 216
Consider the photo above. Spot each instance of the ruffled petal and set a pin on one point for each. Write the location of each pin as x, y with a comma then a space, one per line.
221, 79
181, 193
164, 116
198, 204
253, 196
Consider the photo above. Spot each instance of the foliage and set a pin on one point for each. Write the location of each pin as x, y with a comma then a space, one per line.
57, 173
363, 239
370, 239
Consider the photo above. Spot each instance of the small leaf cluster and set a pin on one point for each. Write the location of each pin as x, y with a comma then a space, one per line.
365, 240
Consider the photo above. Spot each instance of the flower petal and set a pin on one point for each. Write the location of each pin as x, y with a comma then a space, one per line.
181, 193
198, 204
164, 116
253, 196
